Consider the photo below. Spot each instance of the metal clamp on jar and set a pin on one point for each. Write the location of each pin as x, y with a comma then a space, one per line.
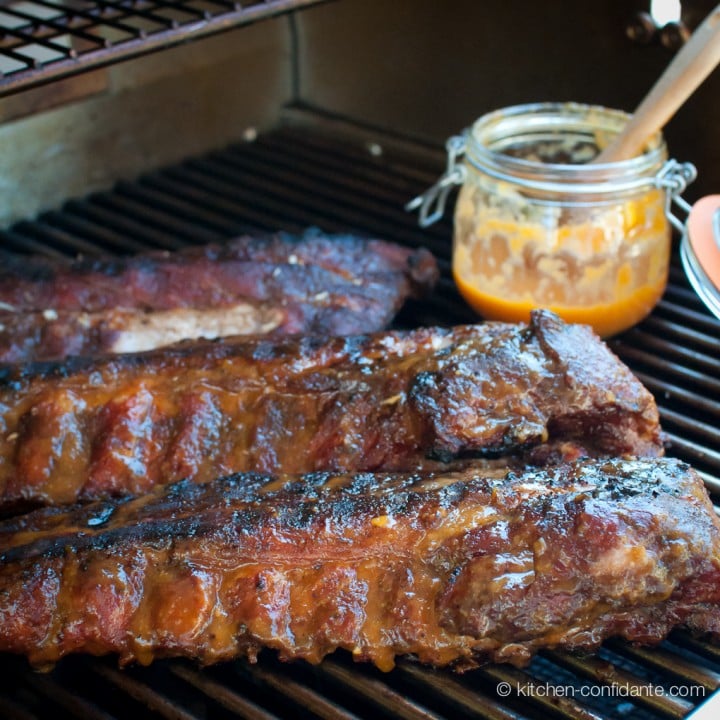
537, 224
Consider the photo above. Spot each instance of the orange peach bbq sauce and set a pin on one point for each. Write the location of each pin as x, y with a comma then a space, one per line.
607, 270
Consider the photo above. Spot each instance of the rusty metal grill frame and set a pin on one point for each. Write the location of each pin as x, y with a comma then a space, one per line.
300, 175
44, 40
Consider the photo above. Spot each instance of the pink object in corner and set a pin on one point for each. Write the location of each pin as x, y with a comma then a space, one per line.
700, 250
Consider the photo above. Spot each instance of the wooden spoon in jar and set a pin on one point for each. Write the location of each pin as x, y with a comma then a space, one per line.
693, 63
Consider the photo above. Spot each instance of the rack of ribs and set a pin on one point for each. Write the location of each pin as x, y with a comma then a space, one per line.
453, 568
403, 400
279, 284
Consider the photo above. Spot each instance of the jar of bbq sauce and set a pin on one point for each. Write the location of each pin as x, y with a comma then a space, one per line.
537, 224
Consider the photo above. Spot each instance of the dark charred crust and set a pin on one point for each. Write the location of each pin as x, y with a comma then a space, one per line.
244, 502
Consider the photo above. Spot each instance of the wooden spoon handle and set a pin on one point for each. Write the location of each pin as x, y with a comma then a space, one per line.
693, 63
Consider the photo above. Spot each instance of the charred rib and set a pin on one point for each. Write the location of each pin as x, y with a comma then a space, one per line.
278, 284
454, 568
88, 429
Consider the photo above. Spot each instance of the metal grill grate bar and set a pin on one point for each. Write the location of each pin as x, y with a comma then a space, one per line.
25, 38
16, 242
131, 227
686, 314
274, 192
108, 239
233, 701
220, 202
101, 32
641, 358
121, 10
666, 347
61, 697
298, 693
166, 202
704, 649
454, 693
677, 394
547, 705
363, 186
10, 709
695, 429
670, 664
155, 218
695, 454
375, 691
64, 25
143, 693
69, 243
598, 670
681, 334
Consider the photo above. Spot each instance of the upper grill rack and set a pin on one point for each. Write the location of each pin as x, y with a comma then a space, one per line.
291, 178
43, 40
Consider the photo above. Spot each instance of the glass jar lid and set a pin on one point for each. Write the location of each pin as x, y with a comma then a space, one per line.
700, 251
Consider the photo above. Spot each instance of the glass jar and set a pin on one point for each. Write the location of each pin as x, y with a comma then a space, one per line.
538, 225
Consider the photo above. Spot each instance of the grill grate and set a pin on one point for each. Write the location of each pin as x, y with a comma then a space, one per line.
43, 40
291, 178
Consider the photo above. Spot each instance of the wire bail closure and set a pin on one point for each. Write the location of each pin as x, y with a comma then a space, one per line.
674, 177
432, 201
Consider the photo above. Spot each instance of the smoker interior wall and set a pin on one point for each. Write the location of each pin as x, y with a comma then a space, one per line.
429, 68
147, 113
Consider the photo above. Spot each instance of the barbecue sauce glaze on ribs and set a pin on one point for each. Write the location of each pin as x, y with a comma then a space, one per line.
279, 284
454, 569
396, 401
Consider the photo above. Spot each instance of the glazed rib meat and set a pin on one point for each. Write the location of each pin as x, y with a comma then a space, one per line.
278, 284
87, 429
453, 568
